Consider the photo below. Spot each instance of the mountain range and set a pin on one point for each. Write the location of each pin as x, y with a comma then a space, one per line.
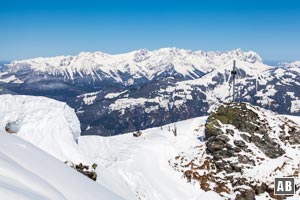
114, 94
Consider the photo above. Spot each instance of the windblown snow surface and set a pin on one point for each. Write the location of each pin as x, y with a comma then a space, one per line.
48, 124
134, 168
28, 173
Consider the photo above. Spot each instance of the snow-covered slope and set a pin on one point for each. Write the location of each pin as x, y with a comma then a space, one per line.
140, 64
27, 173
138, 168
149, 167
46, 123
133, 168
290, 64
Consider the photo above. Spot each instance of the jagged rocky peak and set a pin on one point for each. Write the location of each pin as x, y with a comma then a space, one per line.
141, 55
245, 148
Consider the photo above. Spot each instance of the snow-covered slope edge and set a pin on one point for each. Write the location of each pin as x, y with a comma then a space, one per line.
27, 173
49, 124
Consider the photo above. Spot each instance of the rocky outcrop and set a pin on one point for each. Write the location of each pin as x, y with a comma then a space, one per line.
255, 129
245, 148
9, 128
137, 134
84, 169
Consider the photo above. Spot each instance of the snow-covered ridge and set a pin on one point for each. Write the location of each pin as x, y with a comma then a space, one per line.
290, 64
139, 64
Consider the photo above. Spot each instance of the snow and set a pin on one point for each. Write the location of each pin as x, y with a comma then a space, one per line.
219, 92
114, 95
27, 173
132, 167
139, 64
293, 118
137, 168
51, 125
127, 103
125, 164
10, 79
279, 72
295, 64
295, 106
89, 98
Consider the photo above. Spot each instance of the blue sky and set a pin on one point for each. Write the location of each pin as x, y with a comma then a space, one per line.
35, 28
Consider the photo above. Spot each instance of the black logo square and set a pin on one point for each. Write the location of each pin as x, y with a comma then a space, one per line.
284, 186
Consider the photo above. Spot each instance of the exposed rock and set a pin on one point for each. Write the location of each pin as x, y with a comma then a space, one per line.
84, 169
230, 131
236, 148
259, 189
11, 127
257, 128
232, 114
245, 195
245, 160
240, 143
215, 145
137, 134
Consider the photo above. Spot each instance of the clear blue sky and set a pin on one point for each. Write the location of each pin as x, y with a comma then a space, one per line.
31, 28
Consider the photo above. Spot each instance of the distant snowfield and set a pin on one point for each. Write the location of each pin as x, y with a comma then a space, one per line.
134, 168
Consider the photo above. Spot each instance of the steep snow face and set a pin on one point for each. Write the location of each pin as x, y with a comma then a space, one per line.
49, 124
27, 173
135, 65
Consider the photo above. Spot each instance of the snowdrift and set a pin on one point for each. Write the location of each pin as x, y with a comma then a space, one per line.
27, 173
49, 124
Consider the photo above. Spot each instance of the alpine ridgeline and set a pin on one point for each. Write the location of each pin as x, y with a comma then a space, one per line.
246, 148
114, 94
